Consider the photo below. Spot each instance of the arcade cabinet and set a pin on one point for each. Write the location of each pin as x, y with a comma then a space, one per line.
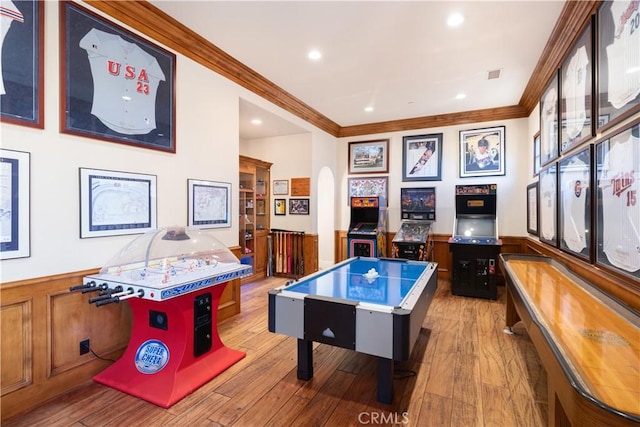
173, 279
367, 233
474, 244
414, 240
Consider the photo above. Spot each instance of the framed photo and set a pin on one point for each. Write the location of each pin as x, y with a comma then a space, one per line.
370, 186
298, 206
576, 83
532, 208
280, 187
279, 206
369, 157
114, 203
482, 152
422, 157
536, 154
15, 192
618, 62
115, 86
22, 79
549, 149
575, 204
617, 181
209, 203
548, 218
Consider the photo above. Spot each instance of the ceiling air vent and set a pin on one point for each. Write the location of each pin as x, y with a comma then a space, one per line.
493, 74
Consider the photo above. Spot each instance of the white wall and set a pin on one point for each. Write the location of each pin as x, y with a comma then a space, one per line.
511, 187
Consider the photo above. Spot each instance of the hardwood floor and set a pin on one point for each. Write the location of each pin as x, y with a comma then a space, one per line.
464, 371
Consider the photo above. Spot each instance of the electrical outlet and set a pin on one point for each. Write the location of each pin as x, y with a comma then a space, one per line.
85, 347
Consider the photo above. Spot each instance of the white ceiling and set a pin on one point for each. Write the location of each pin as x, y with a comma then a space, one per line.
397, 56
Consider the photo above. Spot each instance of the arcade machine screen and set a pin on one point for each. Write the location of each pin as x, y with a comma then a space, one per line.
476, 227
418, 203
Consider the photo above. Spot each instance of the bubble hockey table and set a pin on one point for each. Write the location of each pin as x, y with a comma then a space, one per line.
174, 347
370, 305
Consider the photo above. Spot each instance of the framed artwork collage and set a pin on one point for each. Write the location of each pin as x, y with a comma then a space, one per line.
586, 155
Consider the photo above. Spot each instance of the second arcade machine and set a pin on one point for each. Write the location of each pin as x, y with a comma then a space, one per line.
414, 240
367, 234
475, 245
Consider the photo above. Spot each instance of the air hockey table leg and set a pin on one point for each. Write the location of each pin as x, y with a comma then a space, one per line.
385, 380
305, 359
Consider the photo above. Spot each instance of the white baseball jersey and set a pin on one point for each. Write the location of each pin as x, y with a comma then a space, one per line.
483, 160
125, 82
575, 185
623, 55
574, 90
549, 117
8, 14
619, 181
548, 206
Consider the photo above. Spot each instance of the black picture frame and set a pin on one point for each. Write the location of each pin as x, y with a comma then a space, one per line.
131, 104
279, 206
22, 80
574, 197
298, 206
617, 201
536, 154
15, 202
618, 81
576, 89
532, 208
549, 116
482, 152
548, 206
422, 157
209, 203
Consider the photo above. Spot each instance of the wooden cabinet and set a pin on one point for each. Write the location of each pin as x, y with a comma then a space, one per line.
254, 214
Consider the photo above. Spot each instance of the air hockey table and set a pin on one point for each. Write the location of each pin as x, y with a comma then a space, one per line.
370, 305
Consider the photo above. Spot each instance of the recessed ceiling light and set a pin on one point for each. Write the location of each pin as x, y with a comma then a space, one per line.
368, 109
461, 96
455, 19
256, 122
314, 55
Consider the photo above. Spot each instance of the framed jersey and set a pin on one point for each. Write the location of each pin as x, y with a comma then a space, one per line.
548, 219
575, 204
617, 200
115, 85
549, 116
576, 88
618, 61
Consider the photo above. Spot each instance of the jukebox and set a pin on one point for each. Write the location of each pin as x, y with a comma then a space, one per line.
475, 245
414, 240
368, 228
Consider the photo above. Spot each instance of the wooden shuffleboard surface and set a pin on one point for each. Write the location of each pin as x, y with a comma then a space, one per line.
598, 339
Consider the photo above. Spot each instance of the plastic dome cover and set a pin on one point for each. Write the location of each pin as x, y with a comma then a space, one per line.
170, 244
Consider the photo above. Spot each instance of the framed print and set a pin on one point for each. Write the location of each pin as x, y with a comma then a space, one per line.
280, 187
115, 86
114, 203
209, 203
575, 204
370, 186
536, 154
547, 220
618, 61
549, 149
369, 156
22, 78
280, 206
532, 208
576, 84
422, 157
15, 176
482, 152
298, 206
617, 193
